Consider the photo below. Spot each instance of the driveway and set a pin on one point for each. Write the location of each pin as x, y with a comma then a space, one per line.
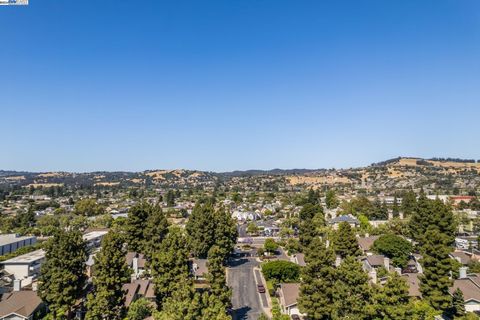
245, 298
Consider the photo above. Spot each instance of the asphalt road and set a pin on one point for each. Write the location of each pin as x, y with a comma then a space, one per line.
245, 299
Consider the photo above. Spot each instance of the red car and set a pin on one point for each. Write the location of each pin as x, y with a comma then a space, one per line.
261, 288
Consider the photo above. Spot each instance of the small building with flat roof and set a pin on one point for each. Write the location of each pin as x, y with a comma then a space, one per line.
11, 242
26, 265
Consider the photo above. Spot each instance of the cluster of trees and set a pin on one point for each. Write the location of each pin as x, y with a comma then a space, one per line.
168, 250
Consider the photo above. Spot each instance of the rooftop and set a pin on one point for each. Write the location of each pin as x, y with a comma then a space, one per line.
26, 258
12, 238
94, 235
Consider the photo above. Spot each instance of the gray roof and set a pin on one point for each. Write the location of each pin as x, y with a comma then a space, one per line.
22, 303
344, 218
27, 258
12, 238
290, 293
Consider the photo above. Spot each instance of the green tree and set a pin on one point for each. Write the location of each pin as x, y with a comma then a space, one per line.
311, 219
216, 276
182, 303
170, 198
394, 247
435, 281
281, 271
252, 228
169, 264
155, 230
318, 278
409, 203
111, 272
139, 309
88, 207
63, 273
345, 242
352, 293
207, 227
270, 245
392, 300
136, 225
331, 199
458, 304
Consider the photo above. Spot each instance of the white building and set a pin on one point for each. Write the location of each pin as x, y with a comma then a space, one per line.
26, 265
11, 242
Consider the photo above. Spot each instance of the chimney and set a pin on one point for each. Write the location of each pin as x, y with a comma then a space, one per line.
373, 276
17, 285
386, 263
462, 273
35, 286
327, 243
135, 265
338, 261
367, 235
399, 271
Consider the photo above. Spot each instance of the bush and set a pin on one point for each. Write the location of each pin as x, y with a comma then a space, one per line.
281, 271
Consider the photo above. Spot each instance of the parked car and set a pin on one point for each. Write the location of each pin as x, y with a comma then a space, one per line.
261, 288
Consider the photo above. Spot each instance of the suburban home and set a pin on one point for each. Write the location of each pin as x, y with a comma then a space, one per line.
298, 258
21, 305
366, 243
26, 265
12, 242
461, 256
374, 262
351, 220
469, 284
138, 289
288, 294
199, 269
137, 262
94, 238
413, 284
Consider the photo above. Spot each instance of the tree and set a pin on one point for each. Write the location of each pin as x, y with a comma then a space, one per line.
63, 273
169, 264
458, 304
345, 242
140, 309
409, 203
331, 199
88, 207
207, 227
216, 276
170, 198
318, 278
435, 281
311, 219
394, 247
111, 272
281, 271
252, 228
352, 292
395, 208
392, 300
155, 230
270, 245
136, 225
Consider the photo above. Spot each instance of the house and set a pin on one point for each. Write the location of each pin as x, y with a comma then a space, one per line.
374, 262
26, 265
137, 262
366, 243
138, 289
11, 242
351, 220
298, 258
469, 284
413, 284
21, 305
288, 294
461, 256
94, 238
199, 269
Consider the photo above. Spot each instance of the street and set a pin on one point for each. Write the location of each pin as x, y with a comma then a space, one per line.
245, 298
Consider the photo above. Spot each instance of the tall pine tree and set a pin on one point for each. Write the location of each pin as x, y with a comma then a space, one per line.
345, 242
63, 273
110, 273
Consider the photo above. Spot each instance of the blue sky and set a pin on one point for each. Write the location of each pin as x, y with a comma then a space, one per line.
237, 84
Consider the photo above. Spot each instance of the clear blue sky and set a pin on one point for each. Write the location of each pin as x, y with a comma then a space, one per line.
237, 84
